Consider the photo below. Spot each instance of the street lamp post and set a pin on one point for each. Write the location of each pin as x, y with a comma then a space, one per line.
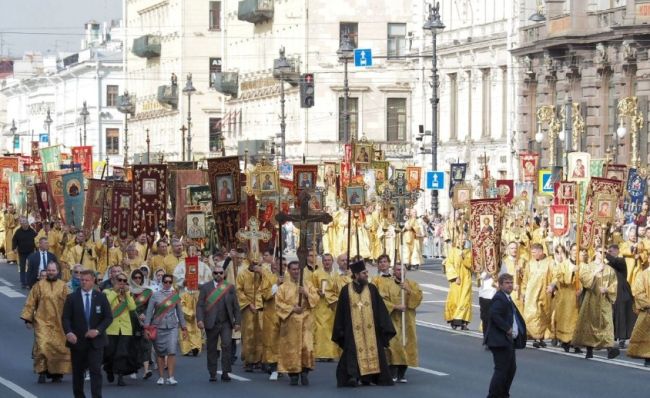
48, 123
13, 130
183, 130
280, 68
148, 148
435, 25
84, 114
345, 53
189, 90
127, 108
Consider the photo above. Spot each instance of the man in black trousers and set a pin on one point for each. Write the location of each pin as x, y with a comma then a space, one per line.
23, 244
217, 311
506, 332
86, 315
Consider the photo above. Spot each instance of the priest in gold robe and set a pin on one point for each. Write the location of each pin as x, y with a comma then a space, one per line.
458, 269
402, 299
252, 286
270, 320
595, 325
323, 314
565, 297
363, 330
42, 312
79, 251
412, 235
10, 224
536, 298
296, 345
640, 341
53, 238
514, 264
108, 254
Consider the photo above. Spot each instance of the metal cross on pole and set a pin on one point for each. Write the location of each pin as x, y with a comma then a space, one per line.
253, 235
397, 194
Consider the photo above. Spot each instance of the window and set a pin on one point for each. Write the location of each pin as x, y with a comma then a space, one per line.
215, 15
111, 95
215, 67
352, 30
112, 141
396, 39
396, 119
453, 103
214, 135
353, 109
486, 94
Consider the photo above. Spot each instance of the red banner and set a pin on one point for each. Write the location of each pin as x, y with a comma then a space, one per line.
589, 223
559, 220
192, 273
150, 197
94, 203
54, 180
6, 164
122, 209
485, 234
84, 156
43, 200
506, 190
528, 162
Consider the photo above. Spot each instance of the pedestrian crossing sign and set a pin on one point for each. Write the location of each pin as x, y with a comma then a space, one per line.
546, 182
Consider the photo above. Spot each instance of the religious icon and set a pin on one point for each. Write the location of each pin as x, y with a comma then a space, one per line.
125, 202
542, 202
604, 209
378, 155
267, 182
362, 153
558, 221
356, 196
578, 162
462, 195
330, 175
567, 191
615, 172
487, 224
97, 199
400, 174
225, 190
414, 174
196, 226
380, 175
73, 188
305, 180
149, 186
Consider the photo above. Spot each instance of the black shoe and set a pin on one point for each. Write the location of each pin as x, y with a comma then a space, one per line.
554, 342
536, 344
147, 375
120, 381
248, 368
225, 377
566, 347
542, 344
304, 380
41, 378
613, 353
621, 344
352, 382
195, 351
110, 377
577, 350
294, 380
57, 379
647, 363
213, 377
590, 353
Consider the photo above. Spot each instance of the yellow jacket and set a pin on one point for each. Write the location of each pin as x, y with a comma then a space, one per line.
122, 323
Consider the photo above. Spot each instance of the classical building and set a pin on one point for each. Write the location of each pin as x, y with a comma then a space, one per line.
382, 105
478, 83
582, 58
165, 41
61, 84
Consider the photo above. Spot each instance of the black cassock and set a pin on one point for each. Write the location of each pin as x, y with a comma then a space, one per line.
342, 334
624, 316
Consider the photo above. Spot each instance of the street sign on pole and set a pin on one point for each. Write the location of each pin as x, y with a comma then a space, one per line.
362, 57
436, 180
546, 181
44, 138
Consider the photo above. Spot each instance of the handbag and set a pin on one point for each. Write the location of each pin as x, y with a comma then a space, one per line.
150, 332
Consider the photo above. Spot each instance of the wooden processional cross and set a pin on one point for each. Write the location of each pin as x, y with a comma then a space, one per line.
303, 218
253, 235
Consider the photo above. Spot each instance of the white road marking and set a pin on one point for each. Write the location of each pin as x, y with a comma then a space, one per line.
429, 371
9, 292
6, 282
427, 293
557, 351
435, 287
434, 301
16, 388
235, 377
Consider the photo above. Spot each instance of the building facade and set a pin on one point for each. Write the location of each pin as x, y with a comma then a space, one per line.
583, 58
165, 41
61, 84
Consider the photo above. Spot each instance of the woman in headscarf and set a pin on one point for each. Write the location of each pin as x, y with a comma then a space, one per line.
119, 356
139, 286
155, 283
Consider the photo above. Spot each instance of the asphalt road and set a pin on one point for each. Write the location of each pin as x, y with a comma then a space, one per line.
452, 363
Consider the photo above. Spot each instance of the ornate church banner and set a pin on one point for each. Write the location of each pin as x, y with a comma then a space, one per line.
224, 178
121, 209
150, 199
94, 203
73, 198
485, 233
598, 186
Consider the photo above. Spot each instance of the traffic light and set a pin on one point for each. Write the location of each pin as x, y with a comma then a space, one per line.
307, 90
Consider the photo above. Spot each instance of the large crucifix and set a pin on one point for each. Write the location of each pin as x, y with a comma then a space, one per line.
253, 236
303, 218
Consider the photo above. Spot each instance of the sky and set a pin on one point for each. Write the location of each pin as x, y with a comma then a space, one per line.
49, 26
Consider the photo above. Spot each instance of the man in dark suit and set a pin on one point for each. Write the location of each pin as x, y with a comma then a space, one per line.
37, 261
217, 311
23, 244
506, 332
86, 315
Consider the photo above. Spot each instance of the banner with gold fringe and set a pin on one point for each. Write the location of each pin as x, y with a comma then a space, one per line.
485, 233
224, 178
597, 186
150, 199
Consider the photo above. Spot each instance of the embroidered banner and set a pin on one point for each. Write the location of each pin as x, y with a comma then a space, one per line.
224, 179
457, 173
73, 198
636, 189
615, 172
54, 180
598, 186
565, 193
7, 164
107, 206
83, 155
506, 190
94, 203
121, 209
192, 273
17, 191
150, 199
43, 200
485, 234
596, 167
559, 220
51, 158
181, 180
528, 162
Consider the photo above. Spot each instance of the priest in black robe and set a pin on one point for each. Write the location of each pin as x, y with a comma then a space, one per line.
363, 329
624, 316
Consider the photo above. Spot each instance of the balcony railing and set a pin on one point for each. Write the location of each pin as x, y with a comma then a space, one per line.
147, 46
255, 11
226, 83
168, 95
